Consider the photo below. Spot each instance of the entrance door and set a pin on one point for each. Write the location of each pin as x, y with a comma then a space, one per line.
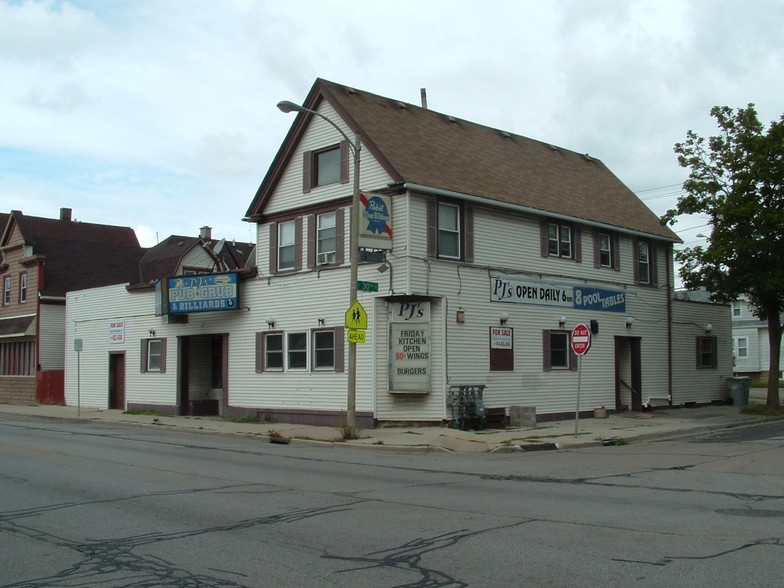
628, 374
117, 380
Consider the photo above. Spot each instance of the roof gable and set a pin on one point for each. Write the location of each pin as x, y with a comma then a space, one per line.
423, 147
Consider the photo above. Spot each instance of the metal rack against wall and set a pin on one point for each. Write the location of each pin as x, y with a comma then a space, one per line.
467, 404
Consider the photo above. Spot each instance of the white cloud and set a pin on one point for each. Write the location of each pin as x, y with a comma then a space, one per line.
161, 115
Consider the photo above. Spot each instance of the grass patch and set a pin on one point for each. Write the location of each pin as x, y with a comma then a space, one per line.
147, 413
616, 441
346, 431
763, 410
245, 419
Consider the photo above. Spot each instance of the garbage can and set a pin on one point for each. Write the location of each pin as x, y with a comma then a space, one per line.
738, 387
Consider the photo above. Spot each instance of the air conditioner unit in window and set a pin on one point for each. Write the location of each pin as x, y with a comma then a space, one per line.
325, 258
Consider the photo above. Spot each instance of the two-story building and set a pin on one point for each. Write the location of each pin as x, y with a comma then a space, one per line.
481, 251
40, 260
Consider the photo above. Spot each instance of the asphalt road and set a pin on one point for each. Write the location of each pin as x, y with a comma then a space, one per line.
91, 505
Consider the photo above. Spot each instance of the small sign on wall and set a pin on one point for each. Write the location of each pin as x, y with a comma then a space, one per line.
116, 331
500, 338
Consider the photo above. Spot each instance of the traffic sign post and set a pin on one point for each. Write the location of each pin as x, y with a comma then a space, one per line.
581, 343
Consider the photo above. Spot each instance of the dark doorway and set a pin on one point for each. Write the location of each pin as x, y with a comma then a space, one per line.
202, 374
117, 380
628, 374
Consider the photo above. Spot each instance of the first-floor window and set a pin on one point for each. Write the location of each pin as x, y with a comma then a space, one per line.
556, 351
273, 351
297, 351
17, 358
277, 351
153, 355
706, 352
324, 350
741, 347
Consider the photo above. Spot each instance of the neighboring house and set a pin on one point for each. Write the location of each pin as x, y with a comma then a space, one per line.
42, 259
750, 344
492, 248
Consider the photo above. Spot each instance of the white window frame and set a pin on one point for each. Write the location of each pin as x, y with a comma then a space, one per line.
317, 349
326, 238
741, 351
327, 160
277, 352
296, 352
6, 290
448, 230
287, 244
644, 265
605, 250
559, 241
154, 355
736, 308
23, 287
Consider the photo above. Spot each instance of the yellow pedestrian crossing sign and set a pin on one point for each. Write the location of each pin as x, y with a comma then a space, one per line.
356, 317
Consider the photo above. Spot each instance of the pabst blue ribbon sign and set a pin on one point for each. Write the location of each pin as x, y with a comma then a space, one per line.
376, 230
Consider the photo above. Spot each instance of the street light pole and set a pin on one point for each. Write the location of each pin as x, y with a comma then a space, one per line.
351, 400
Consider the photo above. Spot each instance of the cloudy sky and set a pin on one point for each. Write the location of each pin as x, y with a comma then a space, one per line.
160, 114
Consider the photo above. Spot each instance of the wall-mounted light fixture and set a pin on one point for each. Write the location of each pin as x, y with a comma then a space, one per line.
321, 321
629, 322
562, 322
151, 332
460, 315
504, 317
271, 323
708, 329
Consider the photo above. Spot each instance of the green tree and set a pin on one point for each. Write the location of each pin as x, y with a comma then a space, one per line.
736, 178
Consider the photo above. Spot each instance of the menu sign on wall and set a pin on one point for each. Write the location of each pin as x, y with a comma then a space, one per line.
409, 347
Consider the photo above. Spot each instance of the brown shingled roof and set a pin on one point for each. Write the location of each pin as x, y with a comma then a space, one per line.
80, 255
431, 149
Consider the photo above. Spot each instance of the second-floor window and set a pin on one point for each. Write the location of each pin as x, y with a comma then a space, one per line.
450, 230
644, 262
326, 238
736, 308
287, 241
6, 290
23, 288
559, 240
605, 253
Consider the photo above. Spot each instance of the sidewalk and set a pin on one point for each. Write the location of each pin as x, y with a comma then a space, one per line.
619, 428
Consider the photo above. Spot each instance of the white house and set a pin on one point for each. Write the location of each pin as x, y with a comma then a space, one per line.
481, 251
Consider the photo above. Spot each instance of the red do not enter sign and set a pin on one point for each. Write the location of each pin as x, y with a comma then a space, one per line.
581, 339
